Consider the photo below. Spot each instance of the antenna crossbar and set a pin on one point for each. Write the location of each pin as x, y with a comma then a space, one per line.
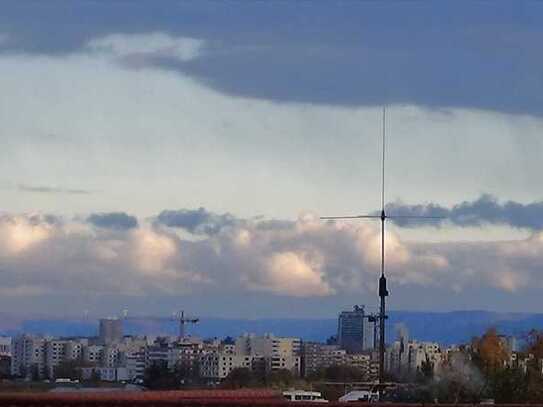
351, 217
382, 216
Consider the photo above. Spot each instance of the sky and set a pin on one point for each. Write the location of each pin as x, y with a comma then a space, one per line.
158, 156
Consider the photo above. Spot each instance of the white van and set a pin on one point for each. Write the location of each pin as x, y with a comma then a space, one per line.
361, 395
302, 395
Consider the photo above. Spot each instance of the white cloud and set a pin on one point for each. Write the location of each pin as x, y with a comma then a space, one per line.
300, 259
155, 44
152, 250
294, 274
20, 233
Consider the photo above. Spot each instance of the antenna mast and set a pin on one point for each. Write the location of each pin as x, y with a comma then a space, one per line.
383, 292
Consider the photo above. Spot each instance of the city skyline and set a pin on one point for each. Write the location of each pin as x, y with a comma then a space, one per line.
157, 160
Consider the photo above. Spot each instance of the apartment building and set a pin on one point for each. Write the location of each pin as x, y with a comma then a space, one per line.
110, 331
407, 357
28, 356
5, 346
316, 356
278, 352
217, 366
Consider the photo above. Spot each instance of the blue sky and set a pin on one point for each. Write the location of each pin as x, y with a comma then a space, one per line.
155, 154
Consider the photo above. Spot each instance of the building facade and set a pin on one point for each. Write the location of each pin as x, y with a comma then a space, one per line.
217, 366
350, 331
276, 352
5, 346
28, 356
110, 331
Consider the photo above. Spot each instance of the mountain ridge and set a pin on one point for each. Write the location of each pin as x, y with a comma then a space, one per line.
452, 327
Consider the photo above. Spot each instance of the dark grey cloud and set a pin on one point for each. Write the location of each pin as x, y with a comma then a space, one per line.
274, 224
113, 220
197, 221
50, 190
437, 54
486, 210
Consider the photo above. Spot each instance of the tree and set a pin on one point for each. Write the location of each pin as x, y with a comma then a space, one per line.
187, 373
68, 369
238, 378
460, 380
23, 371
35, 372
534, 343
490, 352
509, 386
343, 373
159, 377
426, 371
533, 377
279, 378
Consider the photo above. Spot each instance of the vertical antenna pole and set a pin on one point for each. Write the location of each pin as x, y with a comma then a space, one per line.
383, 293
182, 325
383, 162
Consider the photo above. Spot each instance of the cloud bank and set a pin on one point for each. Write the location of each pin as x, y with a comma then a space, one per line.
486, 210
114, 253
113, 220
197, 221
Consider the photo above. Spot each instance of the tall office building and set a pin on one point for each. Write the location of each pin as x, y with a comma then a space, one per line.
350, 331
111, 331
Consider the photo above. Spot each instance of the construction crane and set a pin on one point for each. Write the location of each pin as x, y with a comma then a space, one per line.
176, 316
183, 320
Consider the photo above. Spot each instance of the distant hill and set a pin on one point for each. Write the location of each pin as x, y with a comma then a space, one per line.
443, 327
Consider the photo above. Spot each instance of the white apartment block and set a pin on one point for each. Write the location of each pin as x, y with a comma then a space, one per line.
54, 355
28, 356
39, 356
74, 350
279, 353
5, 346
134, 361
111, 356
92, 354
228, 348
364, 363
218, 365
172, 354
59, 351
316, 356
408, 357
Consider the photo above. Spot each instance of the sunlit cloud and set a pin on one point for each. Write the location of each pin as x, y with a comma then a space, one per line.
301, 259
147, 45
20, 233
